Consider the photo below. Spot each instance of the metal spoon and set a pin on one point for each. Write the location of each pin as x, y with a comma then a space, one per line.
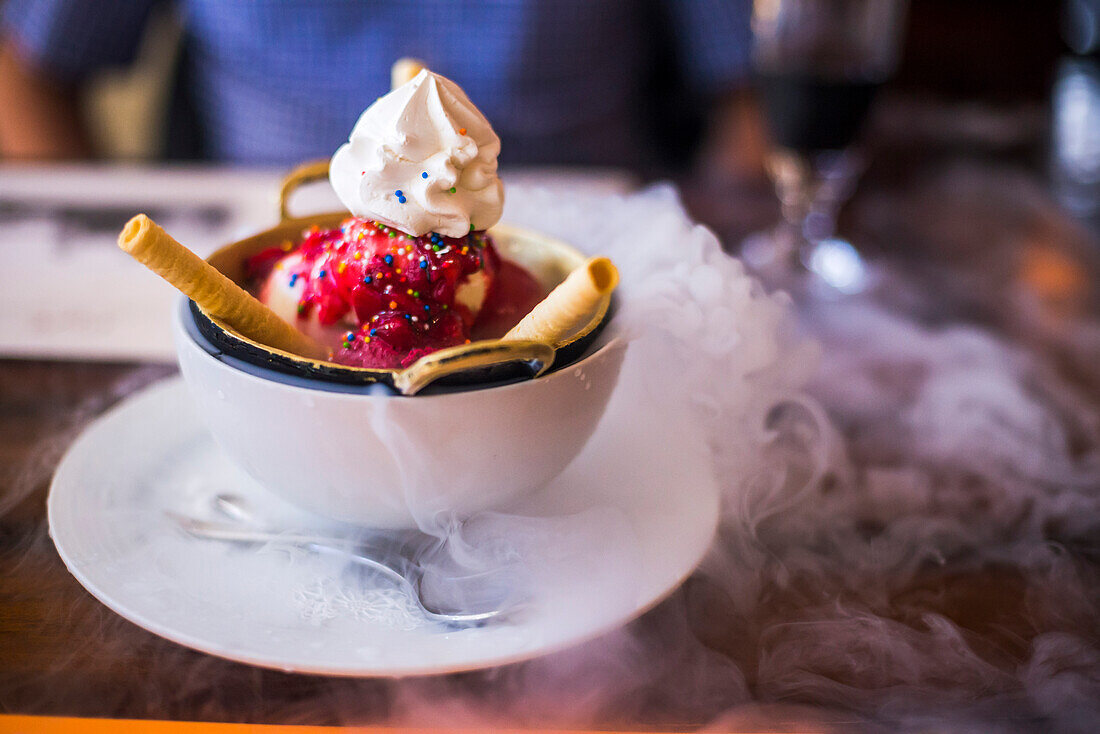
392, 557
407, 552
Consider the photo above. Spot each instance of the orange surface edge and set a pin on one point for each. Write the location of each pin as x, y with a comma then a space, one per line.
15, 724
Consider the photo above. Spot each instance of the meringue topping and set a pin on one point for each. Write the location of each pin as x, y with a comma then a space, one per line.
422, 159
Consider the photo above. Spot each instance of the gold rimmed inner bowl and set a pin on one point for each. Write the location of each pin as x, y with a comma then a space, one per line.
548, 260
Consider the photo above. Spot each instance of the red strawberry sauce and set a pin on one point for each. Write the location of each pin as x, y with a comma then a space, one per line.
400, 290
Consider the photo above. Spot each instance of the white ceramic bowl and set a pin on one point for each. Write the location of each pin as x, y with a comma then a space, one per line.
384, 461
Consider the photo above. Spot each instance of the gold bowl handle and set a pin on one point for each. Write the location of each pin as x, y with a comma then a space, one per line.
303, 174
432, 367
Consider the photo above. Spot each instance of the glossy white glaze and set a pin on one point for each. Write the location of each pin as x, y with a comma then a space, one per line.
393, 462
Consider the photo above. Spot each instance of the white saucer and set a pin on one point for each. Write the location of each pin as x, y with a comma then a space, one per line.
613, 535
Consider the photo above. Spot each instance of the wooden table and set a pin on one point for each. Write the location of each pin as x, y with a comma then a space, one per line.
978, 241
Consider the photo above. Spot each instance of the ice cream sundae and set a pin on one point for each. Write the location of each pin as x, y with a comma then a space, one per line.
413, 270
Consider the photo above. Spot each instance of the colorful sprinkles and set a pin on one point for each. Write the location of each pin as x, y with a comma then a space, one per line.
399, 293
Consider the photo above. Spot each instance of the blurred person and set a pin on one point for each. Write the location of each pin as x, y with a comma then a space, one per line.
631, 83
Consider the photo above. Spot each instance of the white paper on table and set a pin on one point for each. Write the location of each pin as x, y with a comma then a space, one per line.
70, 293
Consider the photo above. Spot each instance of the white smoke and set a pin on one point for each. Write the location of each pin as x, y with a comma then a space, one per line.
910, 530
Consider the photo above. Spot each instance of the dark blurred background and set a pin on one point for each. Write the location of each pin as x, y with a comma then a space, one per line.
997, 52
992, 50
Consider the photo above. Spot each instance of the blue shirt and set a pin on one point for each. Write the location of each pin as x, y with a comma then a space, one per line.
609, 82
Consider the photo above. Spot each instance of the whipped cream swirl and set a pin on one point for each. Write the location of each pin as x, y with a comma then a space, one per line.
421, 159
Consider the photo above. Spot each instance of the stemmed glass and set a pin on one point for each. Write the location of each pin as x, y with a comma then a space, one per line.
818, 65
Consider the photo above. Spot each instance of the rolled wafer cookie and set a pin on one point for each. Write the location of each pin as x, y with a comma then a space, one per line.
219, 296
569, 305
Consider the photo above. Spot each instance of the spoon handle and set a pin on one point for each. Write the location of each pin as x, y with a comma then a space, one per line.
436, 365
390, 563
237, 534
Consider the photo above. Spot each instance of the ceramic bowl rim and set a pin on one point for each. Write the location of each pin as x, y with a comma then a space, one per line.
188, 338
328, 370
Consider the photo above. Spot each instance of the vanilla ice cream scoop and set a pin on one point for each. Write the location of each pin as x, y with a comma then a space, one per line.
422, 159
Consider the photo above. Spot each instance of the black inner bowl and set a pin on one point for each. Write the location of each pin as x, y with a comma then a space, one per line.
494, 375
